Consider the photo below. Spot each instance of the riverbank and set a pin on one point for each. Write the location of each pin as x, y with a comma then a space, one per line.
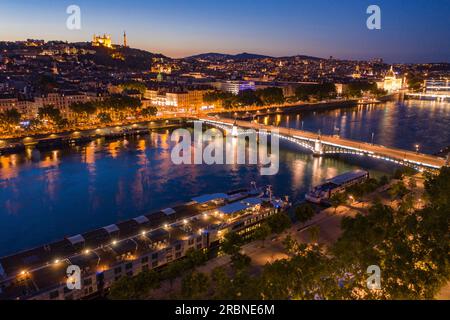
70, 138
250, 112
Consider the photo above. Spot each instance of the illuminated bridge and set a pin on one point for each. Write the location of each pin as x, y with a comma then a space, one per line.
324, 144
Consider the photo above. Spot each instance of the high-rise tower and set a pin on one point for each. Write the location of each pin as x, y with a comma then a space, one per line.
124, 39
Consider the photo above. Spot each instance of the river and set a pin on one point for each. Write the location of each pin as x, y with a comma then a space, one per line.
47, 195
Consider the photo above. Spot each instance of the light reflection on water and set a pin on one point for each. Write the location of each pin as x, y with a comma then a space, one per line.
45, 196
396, 124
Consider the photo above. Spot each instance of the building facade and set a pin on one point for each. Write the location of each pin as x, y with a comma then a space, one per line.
391, 83
186, 101
102, 41
234, 87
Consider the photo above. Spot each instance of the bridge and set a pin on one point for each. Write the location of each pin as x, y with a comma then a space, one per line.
321, 145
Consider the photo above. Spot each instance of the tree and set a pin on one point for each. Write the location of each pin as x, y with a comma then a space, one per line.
291, 245
398, 190
240, 261
248, 98
221, 283
315, 91
415, 81
356, 89
10, 118
438, 189
270, 96
232, 243
279, 222
83, 108
337, 200
134, 85
49, 113
194, 285
149, 112
104, 117
172, 271
304, 212
262, 232
123, 289
314, 233
384, 180
138, 287
411, 249
196, 257
224, 98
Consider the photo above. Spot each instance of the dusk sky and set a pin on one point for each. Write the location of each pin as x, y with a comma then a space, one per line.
412, 31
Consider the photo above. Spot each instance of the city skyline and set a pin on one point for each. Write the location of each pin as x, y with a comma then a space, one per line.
284, 28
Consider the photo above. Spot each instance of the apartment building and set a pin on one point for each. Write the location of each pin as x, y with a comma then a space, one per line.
62, 101
184, 101
27, 108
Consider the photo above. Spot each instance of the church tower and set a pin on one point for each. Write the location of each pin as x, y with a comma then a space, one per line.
124, 39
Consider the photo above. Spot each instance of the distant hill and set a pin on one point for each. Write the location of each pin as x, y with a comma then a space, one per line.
124, 58
222, 56
244, 56
303, 57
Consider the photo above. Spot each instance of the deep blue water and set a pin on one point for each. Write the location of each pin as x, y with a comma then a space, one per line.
45, 196
396, 124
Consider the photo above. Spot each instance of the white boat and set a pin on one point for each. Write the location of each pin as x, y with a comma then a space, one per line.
335, 185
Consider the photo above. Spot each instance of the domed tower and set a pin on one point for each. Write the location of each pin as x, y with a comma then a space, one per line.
390, 74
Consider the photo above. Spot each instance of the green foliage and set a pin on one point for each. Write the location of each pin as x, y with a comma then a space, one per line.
364, 188
240, 261
398, 190
279, 222
175, 269
86, 108
138, 287
248, 98
267, 96
53, 115
262, 232
104, 117
438, 189
194, 285
270, 96
317, 91
149, 111
411, 250
415, 81
384, 180
356, 89
218, 96
240, 286
134, 86
119, 103
338, 199
10, 117
314, 233
231, 243
196, 258
303, 276
304, 212
402, 172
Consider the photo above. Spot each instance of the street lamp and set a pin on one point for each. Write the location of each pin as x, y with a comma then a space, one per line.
417, 148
